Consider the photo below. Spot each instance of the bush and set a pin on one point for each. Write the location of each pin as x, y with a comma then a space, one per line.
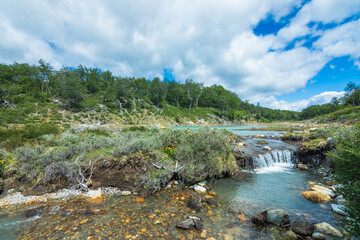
346, 158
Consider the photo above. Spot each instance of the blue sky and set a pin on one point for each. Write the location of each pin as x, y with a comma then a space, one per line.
284, 54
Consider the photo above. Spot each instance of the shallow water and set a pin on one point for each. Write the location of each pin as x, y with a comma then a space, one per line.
156, 217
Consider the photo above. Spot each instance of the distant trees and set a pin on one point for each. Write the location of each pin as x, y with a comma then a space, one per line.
83, 87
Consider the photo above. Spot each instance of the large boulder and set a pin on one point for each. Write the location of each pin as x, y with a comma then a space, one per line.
194, 202
324, 190
316, 197
327, 229
260, 219
278, 217
302, 228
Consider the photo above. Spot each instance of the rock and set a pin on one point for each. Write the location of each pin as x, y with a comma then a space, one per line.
330, 140
194, 202
327, 229
93, 193
239, 175
323, 189
32, 212
211, 201
203, 234
303, 167
125, 193
260, 219
202, 184
199, 189
318, 236
291, 234
339, 209
267, 148
278, 217
190, 223
302, 228
316, 197
240, 144
340, 199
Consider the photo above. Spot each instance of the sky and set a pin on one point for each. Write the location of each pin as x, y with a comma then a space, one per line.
282, 54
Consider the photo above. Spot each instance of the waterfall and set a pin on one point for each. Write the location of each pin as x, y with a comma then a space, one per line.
274, 161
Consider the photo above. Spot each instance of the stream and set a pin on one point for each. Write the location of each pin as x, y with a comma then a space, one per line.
274, 184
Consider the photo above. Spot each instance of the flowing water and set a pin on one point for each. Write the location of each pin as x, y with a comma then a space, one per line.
274, 184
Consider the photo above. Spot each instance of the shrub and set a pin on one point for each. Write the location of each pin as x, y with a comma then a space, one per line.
346, 158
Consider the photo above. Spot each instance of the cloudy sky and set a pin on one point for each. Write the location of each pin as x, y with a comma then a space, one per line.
284, 54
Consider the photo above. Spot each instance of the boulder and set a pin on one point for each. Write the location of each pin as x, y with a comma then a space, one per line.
240, 144
125, 193
199, 189
318, 236
33, 212
323, 189
260, 219
340, 199
303, 167
239, 175
316, 197
339, 209
327, 229
194, 202
291, 235
278, 217
302, 228
190, 223
267, 148
330, 140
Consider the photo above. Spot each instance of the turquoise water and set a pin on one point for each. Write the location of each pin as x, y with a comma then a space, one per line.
242, 130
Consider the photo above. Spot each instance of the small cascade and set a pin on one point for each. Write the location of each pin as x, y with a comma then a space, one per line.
274, 161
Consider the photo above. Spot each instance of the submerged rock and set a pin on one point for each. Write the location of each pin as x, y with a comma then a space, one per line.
316, 197
327, 229
260, 219
302, 228
194, 202
190, 223
278, 217
239, 175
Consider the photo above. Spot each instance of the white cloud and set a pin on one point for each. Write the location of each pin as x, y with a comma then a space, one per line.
319, 99
211, 41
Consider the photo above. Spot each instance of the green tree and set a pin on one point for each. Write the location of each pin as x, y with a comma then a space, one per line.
346, 157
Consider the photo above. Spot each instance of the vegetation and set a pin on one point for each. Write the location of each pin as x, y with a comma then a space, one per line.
346, 157
191, 155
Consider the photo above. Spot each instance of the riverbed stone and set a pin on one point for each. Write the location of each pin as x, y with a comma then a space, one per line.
324, 190
239, 175
302, 228
194, 202
278, 217
339, 209
327, 229
318, 236
260, 219
126, 193
199, 189
190, 223
316, 197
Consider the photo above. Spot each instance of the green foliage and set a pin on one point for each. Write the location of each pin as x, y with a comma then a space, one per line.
346, 157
